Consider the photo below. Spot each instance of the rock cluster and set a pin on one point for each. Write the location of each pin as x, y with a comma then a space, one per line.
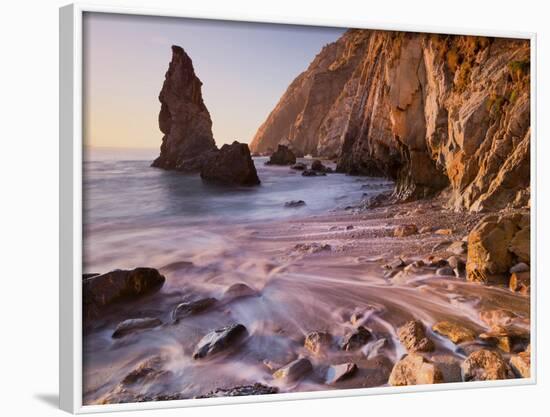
430, 111
188, 144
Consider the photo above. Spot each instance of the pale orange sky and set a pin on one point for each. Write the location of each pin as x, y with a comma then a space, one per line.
245, 68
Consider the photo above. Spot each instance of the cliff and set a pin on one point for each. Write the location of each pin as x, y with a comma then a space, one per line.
432, 112
183, 118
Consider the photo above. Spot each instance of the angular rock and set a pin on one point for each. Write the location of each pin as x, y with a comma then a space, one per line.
295, 203
336, 373
458, 248
520, 282
506, 338
254, 389
119, 285
190, 308
294, 370
521, 364
414, 369
405, 230
133, 325
454, 332
316, 342
282, 156
231, 165
489, 257
485, 365
413, 337
355, 339
184, 119
219, 340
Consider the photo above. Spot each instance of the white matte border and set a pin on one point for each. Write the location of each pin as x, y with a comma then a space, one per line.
70, 203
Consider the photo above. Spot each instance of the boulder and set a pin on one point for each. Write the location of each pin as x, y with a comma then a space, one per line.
295, 203
239, 290
485, 365
355, 339
457, 264
506, 338
415, 369
315, 342
190, 308
312, 173
117, 286
231, 165
456, 333
405, 230
457, 248
520, 282
241, 390
336, 373
413, 337
133, 325
219, 340
445, 271
183, 119
318, 166
490, 249
519, 267
521, 363
282, 156
294, 370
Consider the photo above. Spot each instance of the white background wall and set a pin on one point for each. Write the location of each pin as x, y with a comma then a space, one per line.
29, 195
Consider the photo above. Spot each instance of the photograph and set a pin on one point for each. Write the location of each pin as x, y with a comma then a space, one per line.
274, 208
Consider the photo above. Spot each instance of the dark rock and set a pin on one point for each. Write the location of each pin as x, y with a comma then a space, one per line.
219, 340
312, 173
282, 156
299, 166
232, 164
458, 265
336, 373
90, 275
315, 342
484, 365
146, 372
294, 370
133, 325
318, 166
355, 339
445, 271
118, 285
255, 389
519, 267
183, 118
295, 203
413, 337
190, 308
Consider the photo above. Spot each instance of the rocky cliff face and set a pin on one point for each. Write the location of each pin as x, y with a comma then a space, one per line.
183, 117
432, 112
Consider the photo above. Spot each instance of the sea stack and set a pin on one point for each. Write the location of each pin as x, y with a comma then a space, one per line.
188, 144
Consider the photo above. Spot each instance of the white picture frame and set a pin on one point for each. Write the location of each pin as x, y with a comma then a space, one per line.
70, 154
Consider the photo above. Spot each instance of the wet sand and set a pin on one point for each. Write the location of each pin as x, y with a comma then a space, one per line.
310, 274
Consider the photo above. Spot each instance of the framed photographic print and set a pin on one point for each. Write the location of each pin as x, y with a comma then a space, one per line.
273, 210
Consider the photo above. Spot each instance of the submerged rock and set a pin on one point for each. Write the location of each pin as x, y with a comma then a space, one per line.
295, 203
133, 325
415, 369
315, 342
355, 339
147, 372
299, 166
190, 308
454, 332
336, 373
282, 156
294, 370
413, 337
232, 165
239, 290
254, 389
119, 285
312, 173
445, 271
484, 365
219, 340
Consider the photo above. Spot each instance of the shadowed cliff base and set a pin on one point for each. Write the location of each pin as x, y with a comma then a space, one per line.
429, 111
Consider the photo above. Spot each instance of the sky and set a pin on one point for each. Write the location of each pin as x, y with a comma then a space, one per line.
245, 68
